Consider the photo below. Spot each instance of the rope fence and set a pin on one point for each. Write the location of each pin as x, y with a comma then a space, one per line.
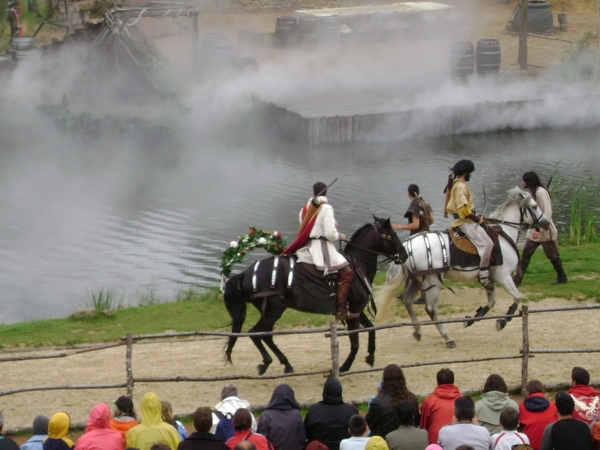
333, 332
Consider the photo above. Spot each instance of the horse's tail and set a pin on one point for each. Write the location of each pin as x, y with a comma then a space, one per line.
384, 295
235, 303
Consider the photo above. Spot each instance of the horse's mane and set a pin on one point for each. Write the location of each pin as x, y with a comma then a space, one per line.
515, 195
359, 231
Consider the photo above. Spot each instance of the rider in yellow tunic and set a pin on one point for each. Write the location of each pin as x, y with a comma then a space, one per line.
460, 205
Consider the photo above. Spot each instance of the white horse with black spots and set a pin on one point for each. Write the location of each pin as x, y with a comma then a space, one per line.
430, 261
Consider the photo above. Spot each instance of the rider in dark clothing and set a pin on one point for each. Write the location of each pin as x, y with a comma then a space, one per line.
327, 421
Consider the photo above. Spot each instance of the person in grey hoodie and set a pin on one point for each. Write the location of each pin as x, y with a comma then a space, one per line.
495, 397
281, 423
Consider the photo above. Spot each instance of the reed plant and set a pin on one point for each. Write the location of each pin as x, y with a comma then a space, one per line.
576, 203
105, 298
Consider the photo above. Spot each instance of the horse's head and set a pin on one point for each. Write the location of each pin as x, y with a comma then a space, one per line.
390, 243
531, 214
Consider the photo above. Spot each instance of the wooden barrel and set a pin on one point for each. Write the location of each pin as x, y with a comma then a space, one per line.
462, 59
539, 17
215, 53
308, 30
244, 62
286, 29
487, 56
329, 30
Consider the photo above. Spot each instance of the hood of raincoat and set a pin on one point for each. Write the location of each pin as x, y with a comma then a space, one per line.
58, 427
332, 392
99, 418
536, 402
283, 399
151, 410
40, 425
495, 400
447, 391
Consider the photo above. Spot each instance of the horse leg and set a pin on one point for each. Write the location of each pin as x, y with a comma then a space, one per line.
261, 326
365, 322
410, 292
483, 310
352, 324
506, 281
432, 295
235, 302
287, 367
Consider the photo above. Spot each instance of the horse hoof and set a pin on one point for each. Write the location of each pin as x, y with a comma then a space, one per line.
417, 336
451, 344
370, 360
500, 324
288, 369
468, 323
261, 369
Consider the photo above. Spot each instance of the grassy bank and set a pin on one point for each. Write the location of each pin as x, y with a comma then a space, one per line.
204, 309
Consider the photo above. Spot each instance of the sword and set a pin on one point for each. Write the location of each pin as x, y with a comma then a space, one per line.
484, 200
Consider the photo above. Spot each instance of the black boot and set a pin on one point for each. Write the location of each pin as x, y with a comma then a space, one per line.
561, 276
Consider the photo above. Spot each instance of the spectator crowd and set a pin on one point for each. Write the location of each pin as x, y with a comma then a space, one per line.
444, 420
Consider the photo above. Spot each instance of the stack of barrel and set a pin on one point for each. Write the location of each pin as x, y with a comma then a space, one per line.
464, 60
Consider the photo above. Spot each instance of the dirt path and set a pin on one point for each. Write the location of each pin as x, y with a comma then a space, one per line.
306, 353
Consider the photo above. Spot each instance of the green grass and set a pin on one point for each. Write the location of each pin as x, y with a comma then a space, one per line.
195, 309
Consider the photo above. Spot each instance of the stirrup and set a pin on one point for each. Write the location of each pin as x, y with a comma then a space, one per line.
346, 315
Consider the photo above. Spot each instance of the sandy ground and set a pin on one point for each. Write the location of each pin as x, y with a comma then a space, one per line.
306, 353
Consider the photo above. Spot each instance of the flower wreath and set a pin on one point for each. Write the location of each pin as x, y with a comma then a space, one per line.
271, 241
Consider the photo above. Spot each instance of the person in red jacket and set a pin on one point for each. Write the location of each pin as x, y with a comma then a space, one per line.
437, 409
586, 398
242, 421
535, 413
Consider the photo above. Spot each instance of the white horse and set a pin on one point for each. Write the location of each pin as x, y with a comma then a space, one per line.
429, 263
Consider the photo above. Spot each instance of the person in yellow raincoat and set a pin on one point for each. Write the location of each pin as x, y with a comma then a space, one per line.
152, 428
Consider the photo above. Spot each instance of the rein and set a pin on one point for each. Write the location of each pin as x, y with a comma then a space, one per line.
519, 225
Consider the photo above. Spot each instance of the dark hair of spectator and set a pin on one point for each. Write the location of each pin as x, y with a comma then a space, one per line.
580, 376
464, 408
160, 446
405, 412
244, 445
464, 447
357, 425
564, 404
445, 376
394, 384
242, 420
534, 386
509, 418
202, 419
495, 383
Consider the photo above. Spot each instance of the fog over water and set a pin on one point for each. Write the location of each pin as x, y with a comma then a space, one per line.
76, 217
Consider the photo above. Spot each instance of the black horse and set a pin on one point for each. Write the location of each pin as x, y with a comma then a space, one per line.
274, 284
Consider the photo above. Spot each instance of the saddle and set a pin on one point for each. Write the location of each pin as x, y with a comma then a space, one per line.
311, 290
464, 253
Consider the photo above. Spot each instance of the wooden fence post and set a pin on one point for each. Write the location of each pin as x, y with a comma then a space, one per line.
525, 349
335, 349
128, 365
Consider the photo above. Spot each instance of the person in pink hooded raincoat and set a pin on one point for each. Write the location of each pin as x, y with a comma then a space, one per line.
98, 434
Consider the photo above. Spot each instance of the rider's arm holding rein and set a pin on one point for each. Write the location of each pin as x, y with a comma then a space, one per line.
414, 225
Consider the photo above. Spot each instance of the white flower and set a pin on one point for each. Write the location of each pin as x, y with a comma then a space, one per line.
245, 239
233, 244
262, 241
274, 233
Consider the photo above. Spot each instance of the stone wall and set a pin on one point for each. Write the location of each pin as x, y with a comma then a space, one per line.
276, 5
78, 13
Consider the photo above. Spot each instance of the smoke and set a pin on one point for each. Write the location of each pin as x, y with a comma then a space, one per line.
120, 209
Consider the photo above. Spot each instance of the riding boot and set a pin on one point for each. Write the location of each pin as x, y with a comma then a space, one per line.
485, 277
561, 276
342, 313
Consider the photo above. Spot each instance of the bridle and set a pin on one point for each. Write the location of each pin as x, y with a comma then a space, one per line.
522, 211
381, 236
